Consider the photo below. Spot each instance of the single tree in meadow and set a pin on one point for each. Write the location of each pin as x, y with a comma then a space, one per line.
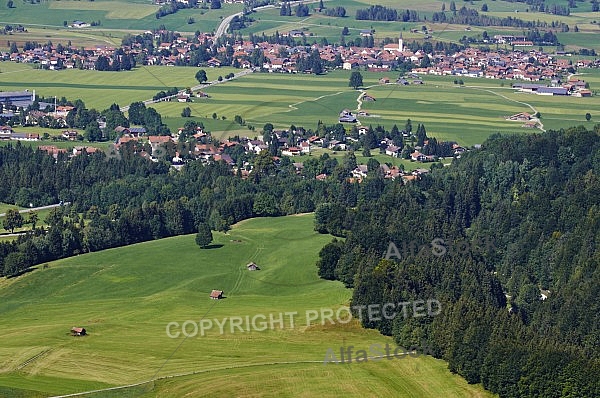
204, 235
201, 76
356, 80
33, 219
588, 116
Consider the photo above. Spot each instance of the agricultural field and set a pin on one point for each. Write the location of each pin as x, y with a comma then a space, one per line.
318, 26
116, 17
101, 89
467, 114
45, 21
6, 206
125, 298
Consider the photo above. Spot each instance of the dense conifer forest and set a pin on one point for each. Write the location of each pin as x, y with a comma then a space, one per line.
526, 210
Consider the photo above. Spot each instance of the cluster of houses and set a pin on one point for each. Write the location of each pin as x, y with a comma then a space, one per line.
8, 134
55, 151
529, 65
524, 63
392, 173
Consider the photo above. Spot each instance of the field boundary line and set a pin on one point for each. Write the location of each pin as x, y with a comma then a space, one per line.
541, 125
194, 372
183, 375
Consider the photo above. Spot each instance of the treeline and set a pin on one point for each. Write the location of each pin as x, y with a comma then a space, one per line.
338, 11
174, 6
381, 13
469, 16
301, 10
119, 61
122, 200
536, 199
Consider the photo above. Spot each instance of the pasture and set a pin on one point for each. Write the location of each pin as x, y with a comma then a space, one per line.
7, 206
125, 298
467, 114
318, 26
101, 89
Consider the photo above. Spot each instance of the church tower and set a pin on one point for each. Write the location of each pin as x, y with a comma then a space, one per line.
400, 43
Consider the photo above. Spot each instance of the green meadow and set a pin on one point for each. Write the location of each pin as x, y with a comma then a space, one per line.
45, 20
100, 89
467, 114
6, 206
117, 15
318, 26
126, 297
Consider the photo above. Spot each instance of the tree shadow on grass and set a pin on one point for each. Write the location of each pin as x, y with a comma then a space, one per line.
214, 246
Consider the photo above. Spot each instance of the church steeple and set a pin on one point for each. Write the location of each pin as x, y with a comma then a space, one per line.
400, 43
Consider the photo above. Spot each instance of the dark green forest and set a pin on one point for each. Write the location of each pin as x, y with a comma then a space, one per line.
536, 198
129, 199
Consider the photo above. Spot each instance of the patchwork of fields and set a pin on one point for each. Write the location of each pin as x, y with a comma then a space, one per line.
466, 114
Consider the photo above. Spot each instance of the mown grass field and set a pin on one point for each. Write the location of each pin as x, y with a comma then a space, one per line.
318, 26
45, 21
466, 114
126, 297
100, 89
6, 206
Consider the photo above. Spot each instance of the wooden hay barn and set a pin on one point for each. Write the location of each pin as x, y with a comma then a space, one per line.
216, 294
78, 331
252, 267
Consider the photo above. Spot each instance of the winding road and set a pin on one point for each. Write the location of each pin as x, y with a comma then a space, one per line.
39, 208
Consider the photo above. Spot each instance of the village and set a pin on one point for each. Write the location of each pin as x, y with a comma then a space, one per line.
523, 62
531, 71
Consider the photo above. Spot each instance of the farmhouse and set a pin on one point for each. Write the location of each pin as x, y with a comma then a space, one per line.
347, 117
252, 267
52, 150
216, 294
80, 24
75, 331
521, 117
70, 135
5, 132
368, 98
25, 136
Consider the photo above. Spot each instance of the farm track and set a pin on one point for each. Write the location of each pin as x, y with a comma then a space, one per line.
535, 119
33, 358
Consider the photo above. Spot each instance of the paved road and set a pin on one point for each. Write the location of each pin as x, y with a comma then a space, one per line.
39, 208
221, 30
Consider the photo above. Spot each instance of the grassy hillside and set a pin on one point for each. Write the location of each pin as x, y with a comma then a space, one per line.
126, 297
